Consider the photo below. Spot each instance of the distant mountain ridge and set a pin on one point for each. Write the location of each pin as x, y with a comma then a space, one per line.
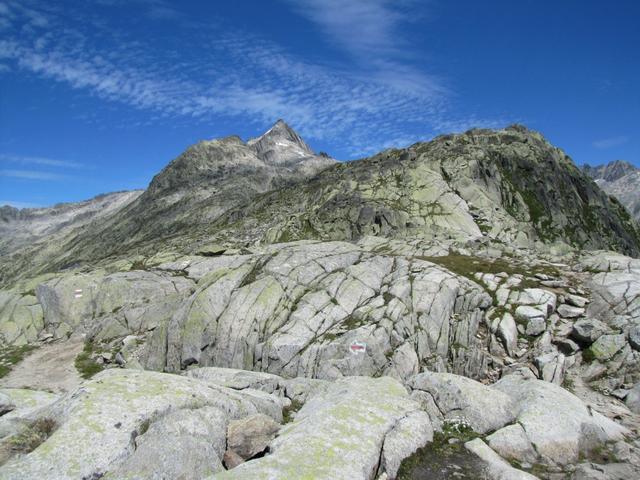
508, 186
20, 227
620, 179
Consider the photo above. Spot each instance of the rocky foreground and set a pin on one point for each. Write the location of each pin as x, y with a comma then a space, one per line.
381, 359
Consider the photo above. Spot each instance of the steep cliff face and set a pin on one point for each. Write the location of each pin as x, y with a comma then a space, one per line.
510, 185
621, 180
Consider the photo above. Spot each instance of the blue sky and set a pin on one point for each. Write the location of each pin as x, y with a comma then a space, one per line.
99, 95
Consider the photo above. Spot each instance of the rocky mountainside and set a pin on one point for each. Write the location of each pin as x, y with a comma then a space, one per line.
21, 227
620, 179
508, 186
192, 191
463, 308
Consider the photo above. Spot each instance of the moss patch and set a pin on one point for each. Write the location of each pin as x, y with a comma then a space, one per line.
445, 457
85, 364
467, 266
288, 413
34, 435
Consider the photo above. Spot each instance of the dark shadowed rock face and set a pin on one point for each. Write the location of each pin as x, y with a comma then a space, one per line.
621, 180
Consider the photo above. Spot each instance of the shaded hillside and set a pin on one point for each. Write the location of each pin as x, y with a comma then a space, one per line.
510, 185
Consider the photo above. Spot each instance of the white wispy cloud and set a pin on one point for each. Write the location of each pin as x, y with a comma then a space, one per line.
49, 162
218, 73
611, 142
363, 27
371, 32
33, 175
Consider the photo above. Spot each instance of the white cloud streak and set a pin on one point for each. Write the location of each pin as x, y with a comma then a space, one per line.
48, 162
611, 142
217, 74
33, 175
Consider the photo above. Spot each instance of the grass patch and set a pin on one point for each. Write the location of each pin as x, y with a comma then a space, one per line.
34, 435
138, 265
588, 355
601, 454
288, 413
144, 426
435, 459
568, 384
11, 355
468, 266
85, 364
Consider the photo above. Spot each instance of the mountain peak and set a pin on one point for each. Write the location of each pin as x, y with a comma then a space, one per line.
610, 172
280, 144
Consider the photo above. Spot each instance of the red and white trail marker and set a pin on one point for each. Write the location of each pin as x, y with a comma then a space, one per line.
357, 347
78, 293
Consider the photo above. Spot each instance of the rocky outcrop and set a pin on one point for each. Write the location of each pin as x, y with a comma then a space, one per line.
21, 318
325, 310
341, 433
462, 400
180, 203
128, 423
136, 424
613, 356
557, 424
110, 306
509, 184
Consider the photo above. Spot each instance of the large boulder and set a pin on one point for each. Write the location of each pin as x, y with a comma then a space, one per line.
632, 400
251, 435
559, 426
497, 468
184, 443
588, 330
101, 426
20, 405
606, 346
464, 400
341, 433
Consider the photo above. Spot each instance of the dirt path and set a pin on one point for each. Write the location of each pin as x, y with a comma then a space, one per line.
50, 367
